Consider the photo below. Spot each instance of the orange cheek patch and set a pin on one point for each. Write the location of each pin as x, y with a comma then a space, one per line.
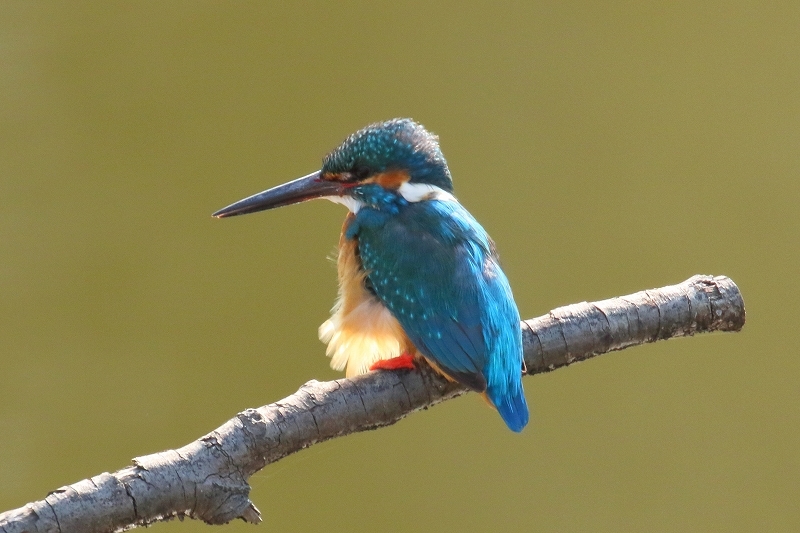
392, 179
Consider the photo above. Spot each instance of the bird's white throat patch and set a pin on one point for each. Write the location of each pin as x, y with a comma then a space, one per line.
412, 192
349, 202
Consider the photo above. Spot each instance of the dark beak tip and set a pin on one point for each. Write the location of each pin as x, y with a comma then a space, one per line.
221, 213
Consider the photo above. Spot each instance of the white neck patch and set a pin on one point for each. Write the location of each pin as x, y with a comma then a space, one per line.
348, 201
412, 192
418, 192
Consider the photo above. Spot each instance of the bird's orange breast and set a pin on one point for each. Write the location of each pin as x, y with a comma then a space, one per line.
361, 330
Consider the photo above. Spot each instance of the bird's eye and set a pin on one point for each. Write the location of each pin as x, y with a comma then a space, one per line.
360, 173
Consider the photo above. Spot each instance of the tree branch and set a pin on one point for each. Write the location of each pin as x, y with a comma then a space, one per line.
207, 479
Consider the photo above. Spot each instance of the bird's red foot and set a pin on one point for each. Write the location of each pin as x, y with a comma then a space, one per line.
404, 361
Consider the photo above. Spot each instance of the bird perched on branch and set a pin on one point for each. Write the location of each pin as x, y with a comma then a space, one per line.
418, 275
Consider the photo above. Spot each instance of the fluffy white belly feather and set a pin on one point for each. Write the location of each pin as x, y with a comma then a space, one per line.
356, 340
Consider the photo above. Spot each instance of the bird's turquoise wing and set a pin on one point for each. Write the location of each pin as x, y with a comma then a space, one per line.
433, 267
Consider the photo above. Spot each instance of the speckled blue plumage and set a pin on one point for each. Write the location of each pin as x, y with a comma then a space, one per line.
434, 267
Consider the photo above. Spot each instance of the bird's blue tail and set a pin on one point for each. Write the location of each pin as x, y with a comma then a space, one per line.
512, 407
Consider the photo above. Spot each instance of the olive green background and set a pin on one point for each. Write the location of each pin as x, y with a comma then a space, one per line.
607, 147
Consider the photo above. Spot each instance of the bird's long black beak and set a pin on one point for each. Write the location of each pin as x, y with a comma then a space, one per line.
299, 190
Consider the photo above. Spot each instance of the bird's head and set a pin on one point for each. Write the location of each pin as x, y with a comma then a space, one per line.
394, 159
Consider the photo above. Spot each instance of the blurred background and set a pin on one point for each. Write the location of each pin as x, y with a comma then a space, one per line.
607, 149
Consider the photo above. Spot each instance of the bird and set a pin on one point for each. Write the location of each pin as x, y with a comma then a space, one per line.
419, 277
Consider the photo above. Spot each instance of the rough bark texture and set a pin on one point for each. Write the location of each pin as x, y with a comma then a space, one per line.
207, 479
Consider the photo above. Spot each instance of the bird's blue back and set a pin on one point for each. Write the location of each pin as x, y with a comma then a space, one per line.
434, 267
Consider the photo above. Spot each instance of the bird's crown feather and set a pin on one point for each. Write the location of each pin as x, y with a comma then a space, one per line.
397, 144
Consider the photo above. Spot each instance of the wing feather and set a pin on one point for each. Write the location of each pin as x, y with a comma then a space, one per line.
427, 266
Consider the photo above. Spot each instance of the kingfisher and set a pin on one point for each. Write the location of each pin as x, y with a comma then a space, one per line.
419, 277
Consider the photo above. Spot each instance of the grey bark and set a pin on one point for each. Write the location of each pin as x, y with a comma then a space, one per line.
207, 479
